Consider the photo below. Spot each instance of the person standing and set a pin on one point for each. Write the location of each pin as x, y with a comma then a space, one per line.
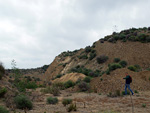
127, 84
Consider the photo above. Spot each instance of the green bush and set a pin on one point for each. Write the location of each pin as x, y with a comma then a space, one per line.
53, 90
69, 84
51, 100
136, 91
92, 55
2, 71
72, 107
114, 66
59, 75
123, 63
116, 60
88, 49
23, 102
132, 68
87, 79
123, 92
144, 105
66, 101
83, 57
101, 59
2, 92
59, 85
138, 68
107, 71
83, 86
31, 85
3, 110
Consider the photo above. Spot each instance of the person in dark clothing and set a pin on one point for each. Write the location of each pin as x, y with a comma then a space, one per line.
127, 84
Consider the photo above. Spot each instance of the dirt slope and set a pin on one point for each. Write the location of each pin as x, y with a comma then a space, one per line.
71, 76
132, 52
115, 81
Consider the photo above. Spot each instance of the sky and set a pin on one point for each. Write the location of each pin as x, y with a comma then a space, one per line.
34, 32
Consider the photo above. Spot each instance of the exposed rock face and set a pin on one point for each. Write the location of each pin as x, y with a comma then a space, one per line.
71, 76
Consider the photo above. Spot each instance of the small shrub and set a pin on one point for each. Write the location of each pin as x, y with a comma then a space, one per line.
123, 92
3, 110
114, 66
55, 91
132, 68
83, 57
31, 85
59, 75
2, 92
87, 79
118, 93
72, 107
2, 71
101, 79
123, 63
107, 71
109, 94
136, 91
138, 68
92, 55
144, 105
102, 59
59, 85
116, 60
69, 84
83, 86
88, 49
66, 101
23, 102
51, 100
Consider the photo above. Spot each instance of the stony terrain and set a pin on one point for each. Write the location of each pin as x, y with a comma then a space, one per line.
92, 103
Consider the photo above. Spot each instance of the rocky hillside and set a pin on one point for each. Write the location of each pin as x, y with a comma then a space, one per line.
130, 46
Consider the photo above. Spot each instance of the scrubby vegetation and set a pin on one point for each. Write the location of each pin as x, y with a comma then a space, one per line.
3, 110
116, 60
72, 107
69, 84
2, 70
83, 86
68, 53
2, 92
55, 90
123, 63
135, 68
87, 79
101, 59
114, 66
85, 71
58, 76
132, 34
23, 102
22, 85
66, 101
51, 100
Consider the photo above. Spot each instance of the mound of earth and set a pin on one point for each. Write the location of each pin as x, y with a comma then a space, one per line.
115, 81
71, 76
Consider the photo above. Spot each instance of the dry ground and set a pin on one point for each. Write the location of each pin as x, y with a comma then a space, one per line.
94, 103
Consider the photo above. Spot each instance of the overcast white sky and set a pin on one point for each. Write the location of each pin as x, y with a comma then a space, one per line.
33, 32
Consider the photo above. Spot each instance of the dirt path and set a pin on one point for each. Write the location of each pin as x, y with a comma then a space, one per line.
94, 103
